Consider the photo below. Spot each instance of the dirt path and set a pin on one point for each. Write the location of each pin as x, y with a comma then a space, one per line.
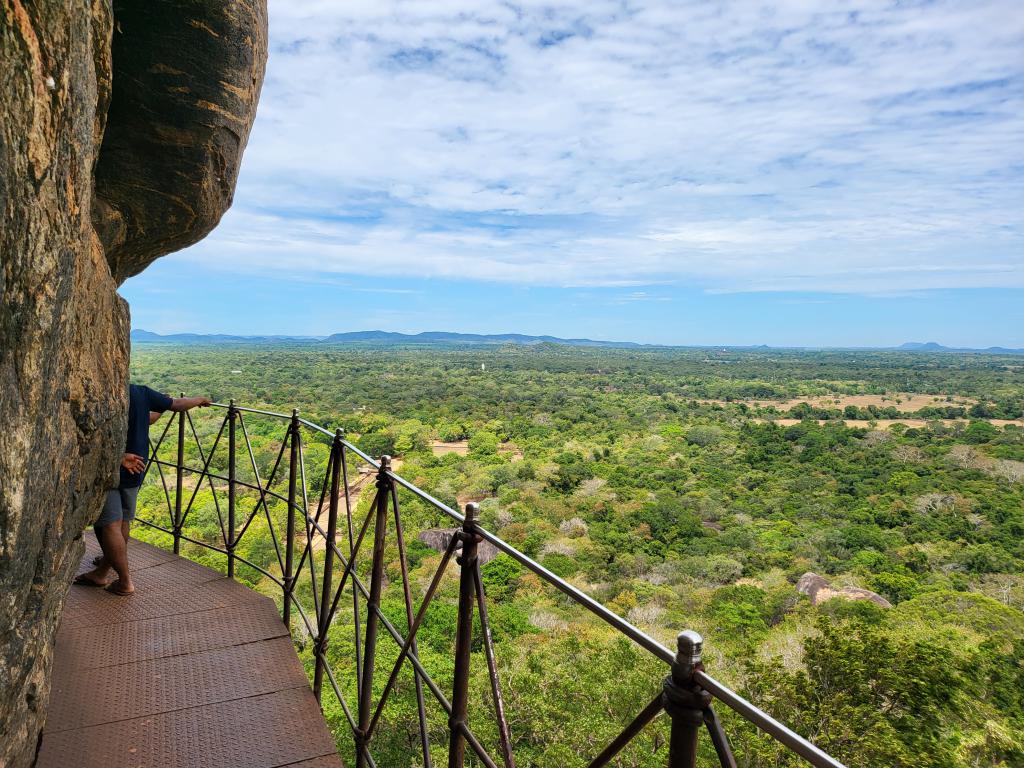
441, 448
364, 484
461, 447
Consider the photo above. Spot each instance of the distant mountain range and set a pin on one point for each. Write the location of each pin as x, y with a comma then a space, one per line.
933, 346
388, 338
444, 337
378, 338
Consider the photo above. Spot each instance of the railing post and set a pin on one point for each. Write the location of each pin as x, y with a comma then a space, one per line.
230, 543
372, 607
178, 484
463, 638
324, 623
295, 447
684, 701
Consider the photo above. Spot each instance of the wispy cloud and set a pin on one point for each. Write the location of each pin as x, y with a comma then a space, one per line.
638, 296
864, 147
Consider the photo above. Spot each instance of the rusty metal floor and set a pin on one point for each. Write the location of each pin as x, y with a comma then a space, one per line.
192, 671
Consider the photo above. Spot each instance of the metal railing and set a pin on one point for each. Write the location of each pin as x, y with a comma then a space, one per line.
309, 550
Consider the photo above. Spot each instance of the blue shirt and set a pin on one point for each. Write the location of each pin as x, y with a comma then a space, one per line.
141, 400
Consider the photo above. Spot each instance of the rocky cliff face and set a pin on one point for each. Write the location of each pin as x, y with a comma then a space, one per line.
121, 130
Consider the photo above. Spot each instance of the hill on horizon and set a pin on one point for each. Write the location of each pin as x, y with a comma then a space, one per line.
934, 346
381, 338
389, 338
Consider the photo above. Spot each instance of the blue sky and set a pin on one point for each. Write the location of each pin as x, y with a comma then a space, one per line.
845, 173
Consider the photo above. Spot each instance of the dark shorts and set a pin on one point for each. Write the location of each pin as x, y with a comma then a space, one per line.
120, 505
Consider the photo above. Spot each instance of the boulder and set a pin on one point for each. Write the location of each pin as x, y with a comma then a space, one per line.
184, 96
439, 538
819, 589
69, 235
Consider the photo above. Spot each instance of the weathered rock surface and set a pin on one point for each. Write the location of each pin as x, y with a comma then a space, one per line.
185, 88
819, 589
63, 328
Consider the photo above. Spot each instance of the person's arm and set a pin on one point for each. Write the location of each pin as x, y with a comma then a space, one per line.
188, 403
154, 416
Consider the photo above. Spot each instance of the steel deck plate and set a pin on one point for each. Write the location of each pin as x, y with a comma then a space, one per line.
94, 647
163, 685
89, 607
169, 573
140, 555
192, 670
270, 731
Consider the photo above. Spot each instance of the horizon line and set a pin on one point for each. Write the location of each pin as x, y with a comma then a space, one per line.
909, 346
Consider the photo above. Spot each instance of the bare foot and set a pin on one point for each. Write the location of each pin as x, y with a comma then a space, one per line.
118, 588
91, 579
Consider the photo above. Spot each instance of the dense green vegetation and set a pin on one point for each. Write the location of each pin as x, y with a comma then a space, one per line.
616, 470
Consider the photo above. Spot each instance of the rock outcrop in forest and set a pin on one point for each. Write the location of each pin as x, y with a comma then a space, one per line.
122, 127
819, 589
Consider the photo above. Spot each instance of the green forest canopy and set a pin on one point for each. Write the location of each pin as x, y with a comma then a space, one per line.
651, 479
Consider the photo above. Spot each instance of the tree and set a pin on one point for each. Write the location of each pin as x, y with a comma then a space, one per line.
483, 443
377, 444
872, 697
980, 432
704, 436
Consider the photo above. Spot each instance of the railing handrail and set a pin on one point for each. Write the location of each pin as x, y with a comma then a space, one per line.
750, 712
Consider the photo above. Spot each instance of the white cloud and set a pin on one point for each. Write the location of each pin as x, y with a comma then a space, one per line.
865, 147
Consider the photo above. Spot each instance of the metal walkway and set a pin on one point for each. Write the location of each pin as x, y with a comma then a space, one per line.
193, 670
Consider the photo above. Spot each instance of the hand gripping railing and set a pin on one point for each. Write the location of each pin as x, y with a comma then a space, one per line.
309, 560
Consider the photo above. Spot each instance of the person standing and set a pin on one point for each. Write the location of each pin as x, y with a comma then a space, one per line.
115, 521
